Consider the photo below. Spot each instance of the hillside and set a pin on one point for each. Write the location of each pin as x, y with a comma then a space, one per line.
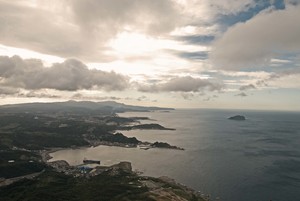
106, 107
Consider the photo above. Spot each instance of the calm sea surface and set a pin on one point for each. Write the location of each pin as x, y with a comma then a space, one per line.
253, 160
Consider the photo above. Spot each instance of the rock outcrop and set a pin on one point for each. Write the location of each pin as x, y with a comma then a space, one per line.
238, 117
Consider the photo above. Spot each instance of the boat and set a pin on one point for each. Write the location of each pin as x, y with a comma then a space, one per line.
87, 161
144, 147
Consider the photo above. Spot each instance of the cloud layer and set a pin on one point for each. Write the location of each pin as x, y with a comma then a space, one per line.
70, 75
81, 29
255, 42
175, 49
183, 84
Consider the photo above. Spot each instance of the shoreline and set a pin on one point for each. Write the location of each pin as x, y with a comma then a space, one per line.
157, 186
45, 154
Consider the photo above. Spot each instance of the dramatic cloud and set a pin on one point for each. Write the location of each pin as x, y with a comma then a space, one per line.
176, 49
41, 30
108, 17
70, 75
81, 29
258, 40
183, 84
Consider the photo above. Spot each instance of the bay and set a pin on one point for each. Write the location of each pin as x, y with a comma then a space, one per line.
256, 159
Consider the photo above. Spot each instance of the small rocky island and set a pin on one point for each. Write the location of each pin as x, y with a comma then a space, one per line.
238, 117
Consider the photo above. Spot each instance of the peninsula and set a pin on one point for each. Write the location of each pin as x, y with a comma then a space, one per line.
29, 133
37, 126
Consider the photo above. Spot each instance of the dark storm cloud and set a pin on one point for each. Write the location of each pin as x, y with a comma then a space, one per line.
183, 84
70, 75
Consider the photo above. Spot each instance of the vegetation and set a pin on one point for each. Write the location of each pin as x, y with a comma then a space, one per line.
165, 145
39, 131
23, 163
77, 107
123, 186
119, 137
24, 134
146, 127
57, 186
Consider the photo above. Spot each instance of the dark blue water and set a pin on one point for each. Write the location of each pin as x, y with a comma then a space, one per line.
253, 160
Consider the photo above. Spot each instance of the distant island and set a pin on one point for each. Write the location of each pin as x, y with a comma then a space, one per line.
238, 117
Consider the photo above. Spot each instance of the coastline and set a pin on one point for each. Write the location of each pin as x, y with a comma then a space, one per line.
157, 187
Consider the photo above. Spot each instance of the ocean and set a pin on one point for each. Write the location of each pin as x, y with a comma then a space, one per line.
253, 160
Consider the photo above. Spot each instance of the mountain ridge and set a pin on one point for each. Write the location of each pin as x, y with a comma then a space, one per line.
72, 106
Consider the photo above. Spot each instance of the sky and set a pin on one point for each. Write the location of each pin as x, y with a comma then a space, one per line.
228, 54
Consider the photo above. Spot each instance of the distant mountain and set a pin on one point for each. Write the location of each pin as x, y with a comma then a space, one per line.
106, 107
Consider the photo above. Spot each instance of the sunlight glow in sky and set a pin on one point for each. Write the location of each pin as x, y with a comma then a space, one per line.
175, 53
